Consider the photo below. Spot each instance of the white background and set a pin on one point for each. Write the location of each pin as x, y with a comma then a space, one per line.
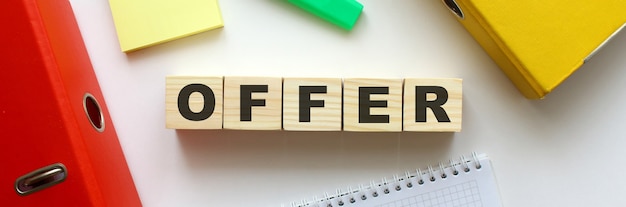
565, 150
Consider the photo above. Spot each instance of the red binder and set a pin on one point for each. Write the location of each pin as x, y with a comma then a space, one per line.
58, 144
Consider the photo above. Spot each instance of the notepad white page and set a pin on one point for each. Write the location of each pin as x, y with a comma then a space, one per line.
476, 188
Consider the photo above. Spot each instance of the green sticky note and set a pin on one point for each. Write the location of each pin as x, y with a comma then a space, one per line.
343, 13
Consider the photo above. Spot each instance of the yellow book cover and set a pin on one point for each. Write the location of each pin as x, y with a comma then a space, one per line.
143, 23
539, 43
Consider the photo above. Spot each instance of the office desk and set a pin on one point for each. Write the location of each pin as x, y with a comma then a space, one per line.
565, 150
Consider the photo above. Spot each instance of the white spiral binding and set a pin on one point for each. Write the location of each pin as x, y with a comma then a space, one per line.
409, 180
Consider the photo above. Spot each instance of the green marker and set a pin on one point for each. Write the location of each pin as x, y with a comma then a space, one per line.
343, 13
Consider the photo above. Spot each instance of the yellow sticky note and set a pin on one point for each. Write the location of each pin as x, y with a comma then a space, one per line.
537, 43
143, 23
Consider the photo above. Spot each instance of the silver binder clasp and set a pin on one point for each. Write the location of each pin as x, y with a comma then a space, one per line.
40, 179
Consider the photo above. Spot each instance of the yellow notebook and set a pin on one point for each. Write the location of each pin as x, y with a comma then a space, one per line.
143, 23
539, 43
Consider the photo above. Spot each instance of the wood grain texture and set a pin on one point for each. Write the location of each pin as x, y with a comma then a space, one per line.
267, 117
453, 106
173, 117
326, 118
351, 104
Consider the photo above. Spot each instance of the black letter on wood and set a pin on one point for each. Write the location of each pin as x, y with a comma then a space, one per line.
246, 101
421, 103
183, 102
306, 103
365, 104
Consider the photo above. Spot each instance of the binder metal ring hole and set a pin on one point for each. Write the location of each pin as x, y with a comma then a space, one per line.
409, 185
94, 112
444, 176
340, 203
352, 200
421, 182
456, 172
375, 194
363, 197
466, 170
386, 191
454, 7
432, 179
398, 188
329, 205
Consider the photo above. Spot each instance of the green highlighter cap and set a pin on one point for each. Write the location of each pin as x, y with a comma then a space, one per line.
343, 13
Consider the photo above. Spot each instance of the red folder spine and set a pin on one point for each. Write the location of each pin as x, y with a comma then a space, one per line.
47, 89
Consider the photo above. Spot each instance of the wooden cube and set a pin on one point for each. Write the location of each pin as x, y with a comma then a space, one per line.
253, 103
312, 104
372, 104
432, 104
193, 102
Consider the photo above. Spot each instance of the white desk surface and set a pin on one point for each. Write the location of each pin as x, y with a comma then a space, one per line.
566, 150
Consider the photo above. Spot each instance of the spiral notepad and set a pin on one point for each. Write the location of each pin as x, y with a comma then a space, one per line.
464, 182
